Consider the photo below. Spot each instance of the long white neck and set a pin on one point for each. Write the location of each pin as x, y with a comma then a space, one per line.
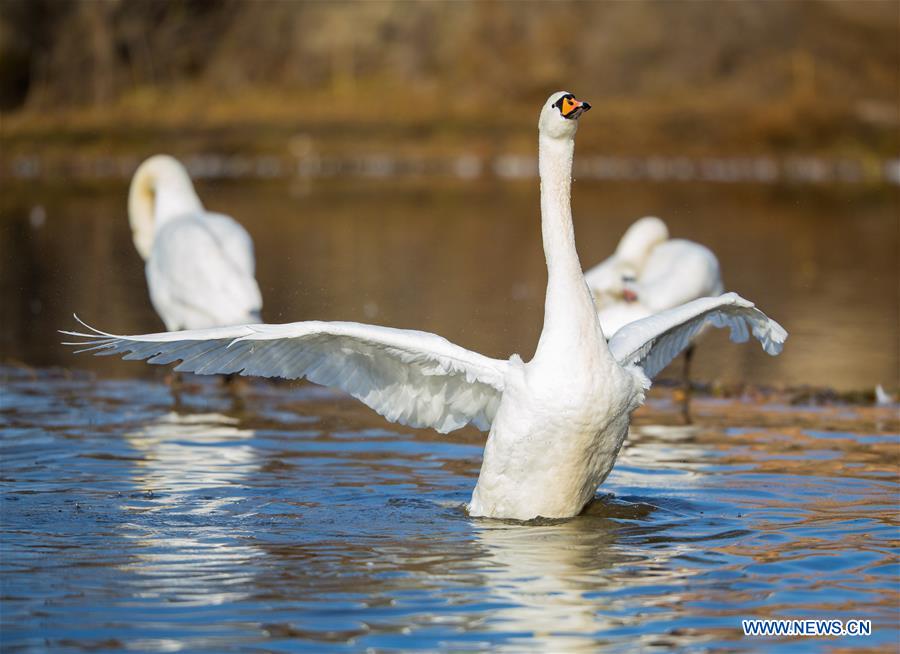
570, 318
160, 190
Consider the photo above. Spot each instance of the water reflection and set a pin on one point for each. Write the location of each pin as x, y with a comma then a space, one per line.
190, 468
185, 452
671, 451
565, 585
541, 576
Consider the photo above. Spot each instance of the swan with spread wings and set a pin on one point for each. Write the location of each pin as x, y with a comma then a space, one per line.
556, 422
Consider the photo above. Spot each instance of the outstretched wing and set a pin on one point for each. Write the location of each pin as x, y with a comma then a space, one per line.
653, 342
411, 377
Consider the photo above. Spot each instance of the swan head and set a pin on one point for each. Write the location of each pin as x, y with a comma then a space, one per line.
637, 243
629, 288
559, 117
160, 188
621, 285
619, 278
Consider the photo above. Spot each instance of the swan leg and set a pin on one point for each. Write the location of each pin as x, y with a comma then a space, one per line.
233, 382
175, 382
687, 388
234, 386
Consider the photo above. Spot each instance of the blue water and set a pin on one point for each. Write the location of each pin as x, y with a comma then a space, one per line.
295, 520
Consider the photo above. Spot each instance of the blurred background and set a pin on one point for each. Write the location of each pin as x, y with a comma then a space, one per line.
382, 155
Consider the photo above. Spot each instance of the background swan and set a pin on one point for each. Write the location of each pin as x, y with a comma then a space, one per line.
556, 423
200, 265
649, 272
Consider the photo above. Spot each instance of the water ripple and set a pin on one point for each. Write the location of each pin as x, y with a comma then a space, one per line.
299, 521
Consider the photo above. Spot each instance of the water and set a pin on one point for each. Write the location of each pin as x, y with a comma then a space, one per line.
294, 519
464, 260
297, 520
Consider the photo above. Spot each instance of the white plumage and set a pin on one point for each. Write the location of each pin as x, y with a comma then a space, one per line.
411, 377
199, 265
648, 273
556, 422
652, 343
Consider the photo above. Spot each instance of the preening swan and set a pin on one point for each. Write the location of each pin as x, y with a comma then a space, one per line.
200, 265
648, 273
556, 422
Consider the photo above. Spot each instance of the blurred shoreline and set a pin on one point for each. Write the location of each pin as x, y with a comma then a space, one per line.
817, 170
694, 91
359, 133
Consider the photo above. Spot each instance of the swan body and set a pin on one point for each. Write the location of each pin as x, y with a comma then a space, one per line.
199, 265
565, 413
649, 273
556, 422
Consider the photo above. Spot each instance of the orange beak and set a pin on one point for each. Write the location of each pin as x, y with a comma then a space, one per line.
572, 108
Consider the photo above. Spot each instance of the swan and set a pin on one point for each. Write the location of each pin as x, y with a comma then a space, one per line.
199, 264
556, 422
650, 272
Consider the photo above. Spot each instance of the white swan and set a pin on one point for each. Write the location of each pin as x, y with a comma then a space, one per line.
200, 265
648, 273
556, 423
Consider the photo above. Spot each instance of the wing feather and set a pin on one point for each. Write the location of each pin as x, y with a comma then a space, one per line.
652, 343
415, 378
